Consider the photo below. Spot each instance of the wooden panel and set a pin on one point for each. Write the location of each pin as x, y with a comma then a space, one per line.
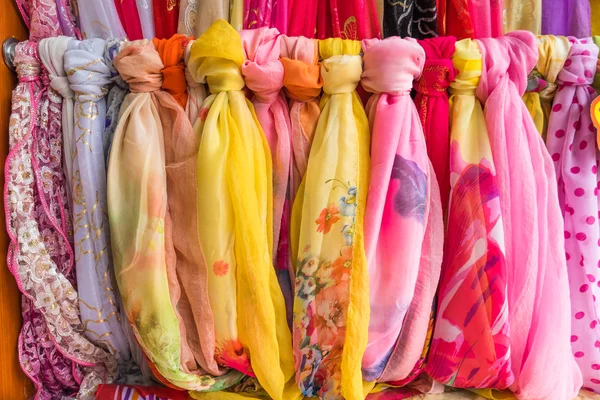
14, 385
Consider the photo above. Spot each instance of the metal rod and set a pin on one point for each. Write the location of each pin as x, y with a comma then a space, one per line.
8, 52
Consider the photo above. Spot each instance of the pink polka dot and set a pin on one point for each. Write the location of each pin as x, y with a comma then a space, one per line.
568, 62
580, 80
583, 143
591, 278
567, 234
579, 315
559, 133
568, 83
585, 53
568, 256
557, 107
556, 156
596, 381
584, 288
594, 169
590, 220
571, 147
575, 99
579, 354
589, 389
596, 367
574, 338
581, 236
597, 344
588, 74
575, 170
577, 125
581, 260
595, 191
579, 192
593, 324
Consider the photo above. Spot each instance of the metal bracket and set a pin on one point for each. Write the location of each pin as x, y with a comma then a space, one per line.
8, 52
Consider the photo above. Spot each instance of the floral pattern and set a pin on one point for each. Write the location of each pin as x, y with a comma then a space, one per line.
220, 268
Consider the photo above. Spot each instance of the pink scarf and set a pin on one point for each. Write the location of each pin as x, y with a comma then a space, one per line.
572, 143
403, 209
486, 16
539, 313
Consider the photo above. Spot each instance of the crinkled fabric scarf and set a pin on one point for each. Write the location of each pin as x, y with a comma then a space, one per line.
539, 314
470, 346
100, 19
234, 176
88, 77
40, 255
523, 15
140, 225
566, 17
47, 18
432, 104
331, 304
263, 73
572, 143
130, 19
552, 54
166, 17
269, 13
412, 18
403, 203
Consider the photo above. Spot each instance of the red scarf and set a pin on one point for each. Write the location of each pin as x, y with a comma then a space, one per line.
166, 18
130, 19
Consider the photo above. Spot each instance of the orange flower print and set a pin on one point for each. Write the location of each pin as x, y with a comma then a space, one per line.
220, 268
328, 217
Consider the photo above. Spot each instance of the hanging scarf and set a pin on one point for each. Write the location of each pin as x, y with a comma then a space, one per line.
303, 18
47, 18
566, 17
99, 19
181, 146
234, 176
146, 14
454, 19
210, 11
188, 13
166, 17
114, 98
263, 73
141, 227
40, 255
432, 104
353, 19
88, 77
269, 13
535, 262
398, 207
130, 19
196, 91
523, 15
572, 143
412, 18
470, 346
331, 305
236, 14
486, 17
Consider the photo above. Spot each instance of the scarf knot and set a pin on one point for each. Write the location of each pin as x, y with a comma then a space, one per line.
52, 53
436, 78
391, 65
341, 74
262, 69
27, 62
301, 69
139, 65
580, 66
171, 53
87, 73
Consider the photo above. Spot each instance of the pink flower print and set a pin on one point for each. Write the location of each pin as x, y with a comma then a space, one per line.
220, 268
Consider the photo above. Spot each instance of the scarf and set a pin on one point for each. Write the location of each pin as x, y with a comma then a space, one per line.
399, 207
572, 143
331, 305
269, 13
116, 94
432, 104
99, 19
130, 19
304, 21
455, 19
535, 262
188, 14
196, 91
141, 226
210, 11
523, 15
413, 18
566, 17
48, 18
166, 17
146, 14
234, 176
552, 51
486, 17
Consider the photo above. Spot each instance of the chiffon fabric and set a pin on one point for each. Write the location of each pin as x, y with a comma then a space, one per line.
188, 14
535, 262
88, 77
264, 74
432, 104
572, 143
331, 304
166, 17
196, 91
552, 52
141, 227
234, 176
523, 15
566, 17
99, 19
398, 207
116, 94
40, 255
471, 344
146, 15
130, 18
412, 18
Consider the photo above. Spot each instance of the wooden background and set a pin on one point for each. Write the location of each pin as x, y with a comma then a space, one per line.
14, 385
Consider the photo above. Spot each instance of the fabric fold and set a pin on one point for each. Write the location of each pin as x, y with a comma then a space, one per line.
146, 14
196, 91
99, 19
130, 19
572, 143
566, 17
166, 17
331, 305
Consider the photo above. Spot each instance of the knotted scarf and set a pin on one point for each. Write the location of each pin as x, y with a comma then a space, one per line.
566, 17
141, 226
166, 17
235, 217
196, 91
88, 77
432, 104
523, 15
572, 144
331, 305
40, 255
412, 18
552, 52
146, 14
399, 209
538, 312
130, 19
99, 19
470, 345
